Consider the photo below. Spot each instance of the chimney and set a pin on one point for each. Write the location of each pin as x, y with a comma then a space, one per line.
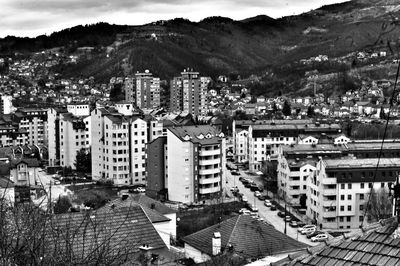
216, 243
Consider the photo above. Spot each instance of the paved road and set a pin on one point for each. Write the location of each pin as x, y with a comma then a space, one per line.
56, 190
265, 212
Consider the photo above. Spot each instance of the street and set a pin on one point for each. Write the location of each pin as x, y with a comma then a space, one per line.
264, 212
44, 180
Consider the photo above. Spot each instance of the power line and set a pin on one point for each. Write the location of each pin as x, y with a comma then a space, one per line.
392, 100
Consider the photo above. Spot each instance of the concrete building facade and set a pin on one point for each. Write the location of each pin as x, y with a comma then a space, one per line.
188, 93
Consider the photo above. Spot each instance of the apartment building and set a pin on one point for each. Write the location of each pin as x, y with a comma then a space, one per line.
195, 163
188, 93
32, 122
339, 188
144, 90
293, 176
297, 162
69, 131
53, 131
6, 106
239, 125
241, 138
147, 90
264, 140
118, 150
74, 136
130, 89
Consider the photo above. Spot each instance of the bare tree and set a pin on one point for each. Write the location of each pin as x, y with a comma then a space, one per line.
380, 205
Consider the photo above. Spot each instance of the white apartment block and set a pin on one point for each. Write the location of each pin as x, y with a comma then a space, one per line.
6, 104
264, 142
118, 150
195, 163
32, 122
293, 176
74, 135
339, 189
241, 146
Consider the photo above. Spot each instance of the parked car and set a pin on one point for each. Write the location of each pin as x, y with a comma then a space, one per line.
254, 215
320, 237
235, 189
244, 211
315, 233
244, 199
234, 173
267, 203
300, 229
253, 208
260, 219
288, 218
241, 178
301, 224
257, 194
273, 208
141, 189
308, 230
261, 197
281, 214
293, 224
254, 187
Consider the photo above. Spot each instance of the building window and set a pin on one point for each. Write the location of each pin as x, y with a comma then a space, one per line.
349, 197
382, 185
342, 208
349, 186
361, 196
361, 218
342, 186
341, 197
362, 185
361, 207
349, 207
349, 218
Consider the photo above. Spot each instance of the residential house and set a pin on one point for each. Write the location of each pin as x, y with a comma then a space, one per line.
242, 236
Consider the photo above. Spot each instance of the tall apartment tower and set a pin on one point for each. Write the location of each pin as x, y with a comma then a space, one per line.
147, 90
188, 93
118, 149
68, 133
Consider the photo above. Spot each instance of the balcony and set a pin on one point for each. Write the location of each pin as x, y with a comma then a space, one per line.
329, 203
209, 171
209, 190
330, 214
209, 152
204, 181
210, 162
329, 181
329, 192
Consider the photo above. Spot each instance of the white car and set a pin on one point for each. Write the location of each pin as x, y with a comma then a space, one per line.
244, 199
320, 237
257, 193
308, 230
307, 226
253, 208
267, 203
141, 189
244, 211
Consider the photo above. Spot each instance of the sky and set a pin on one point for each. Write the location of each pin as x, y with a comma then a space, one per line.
30, 18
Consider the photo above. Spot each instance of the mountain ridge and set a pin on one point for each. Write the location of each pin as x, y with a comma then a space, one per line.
219, 44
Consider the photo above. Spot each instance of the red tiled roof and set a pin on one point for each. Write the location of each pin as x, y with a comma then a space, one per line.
248, 237
376, 246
